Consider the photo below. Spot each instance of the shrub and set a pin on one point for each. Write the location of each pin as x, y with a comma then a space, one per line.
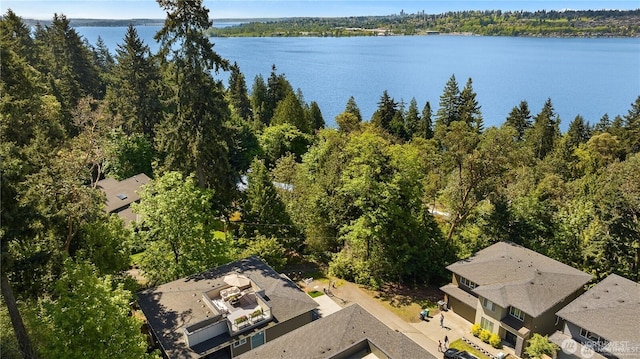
485, 335
476, 329
495, 341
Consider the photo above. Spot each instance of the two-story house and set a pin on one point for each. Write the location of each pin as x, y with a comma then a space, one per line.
604, 322
512, 291
225, 311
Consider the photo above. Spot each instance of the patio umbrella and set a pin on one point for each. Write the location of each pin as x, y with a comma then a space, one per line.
236, 280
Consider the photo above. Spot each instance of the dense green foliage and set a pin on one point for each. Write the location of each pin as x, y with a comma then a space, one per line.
494, 23
394, 198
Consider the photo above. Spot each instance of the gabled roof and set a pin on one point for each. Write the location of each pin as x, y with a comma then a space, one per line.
333, 335
121, 194
174, 305
609, 309
511, 275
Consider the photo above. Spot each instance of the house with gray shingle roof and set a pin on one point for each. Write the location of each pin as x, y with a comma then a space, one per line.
606, 319
121, 194
225, 311
512, 291
348, 333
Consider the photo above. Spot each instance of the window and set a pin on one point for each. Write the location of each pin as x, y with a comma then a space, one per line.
486, 324
467, 283
590, 336
487, 304
240, 342
516, 313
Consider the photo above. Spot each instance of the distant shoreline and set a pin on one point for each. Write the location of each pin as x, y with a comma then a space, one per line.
553, 24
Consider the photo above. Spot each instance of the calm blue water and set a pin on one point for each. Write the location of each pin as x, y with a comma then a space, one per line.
589, 77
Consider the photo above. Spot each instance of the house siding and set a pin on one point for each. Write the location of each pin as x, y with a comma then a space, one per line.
285, 327
493, 316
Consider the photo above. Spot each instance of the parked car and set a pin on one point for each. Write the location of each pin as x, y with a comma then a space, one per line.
458, 354
466, 355
451, 353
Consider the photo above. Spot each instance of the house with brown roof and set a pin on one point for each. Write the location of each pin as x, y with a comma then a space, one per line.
350, 333
604, 322
225, 311
120, 194
512, 291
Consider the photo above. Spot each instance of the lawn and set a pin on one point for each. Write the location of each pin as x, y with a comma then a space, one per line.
461, 345
315, 293
406, 302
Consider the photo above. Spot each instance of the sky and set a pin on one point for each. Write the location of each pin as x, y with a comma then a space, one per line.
149, 9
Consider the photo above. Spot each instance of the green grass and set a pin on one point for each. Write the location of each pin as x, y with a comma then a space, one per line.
315, 293
461, 345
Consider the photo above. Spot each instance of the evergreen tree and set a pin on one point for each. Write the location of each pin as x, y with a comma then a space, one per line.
238, 97
316, 121
16, 35
412, 119
632, 127
603, 125
134, 94
69, 66
353, 108
263, 212
469, 110
259, 101
387, 108
520, 119
102, 57
397, 125
449, 106
290, 111
425, 128
578, 132
193, 137
545, 131
278, 88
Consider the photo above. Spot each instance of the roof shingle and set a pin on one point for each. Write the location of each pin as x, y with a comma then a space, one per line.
511, 275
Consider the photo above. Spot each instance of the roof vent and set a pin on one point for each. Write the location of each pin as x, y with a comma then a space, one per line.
620, 300
122, 196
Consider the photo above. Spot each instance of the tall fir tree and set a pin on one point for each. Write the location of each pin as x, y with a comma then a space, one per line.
259, 101
579, 132
238, 96
69, 67
135, 93
425, 128
193, 137
541, 137
316, 121
263, 212
469, 110
632, 127
449, 106
387, 108
520, 119
412, 119
352, 107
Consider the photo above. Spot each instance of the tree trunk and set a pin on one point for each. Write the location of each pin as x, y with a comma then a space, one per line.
24, 342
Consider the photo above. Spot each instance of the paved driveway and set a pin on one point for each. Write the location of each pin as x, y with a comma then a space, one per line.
425, 333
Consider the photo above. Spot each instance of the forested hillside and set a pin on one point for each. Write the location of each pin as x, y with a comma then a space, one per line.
357, 199
569, 23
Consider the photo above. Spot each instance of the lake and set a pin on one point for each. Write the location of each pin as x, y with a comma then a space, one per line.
585, 76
